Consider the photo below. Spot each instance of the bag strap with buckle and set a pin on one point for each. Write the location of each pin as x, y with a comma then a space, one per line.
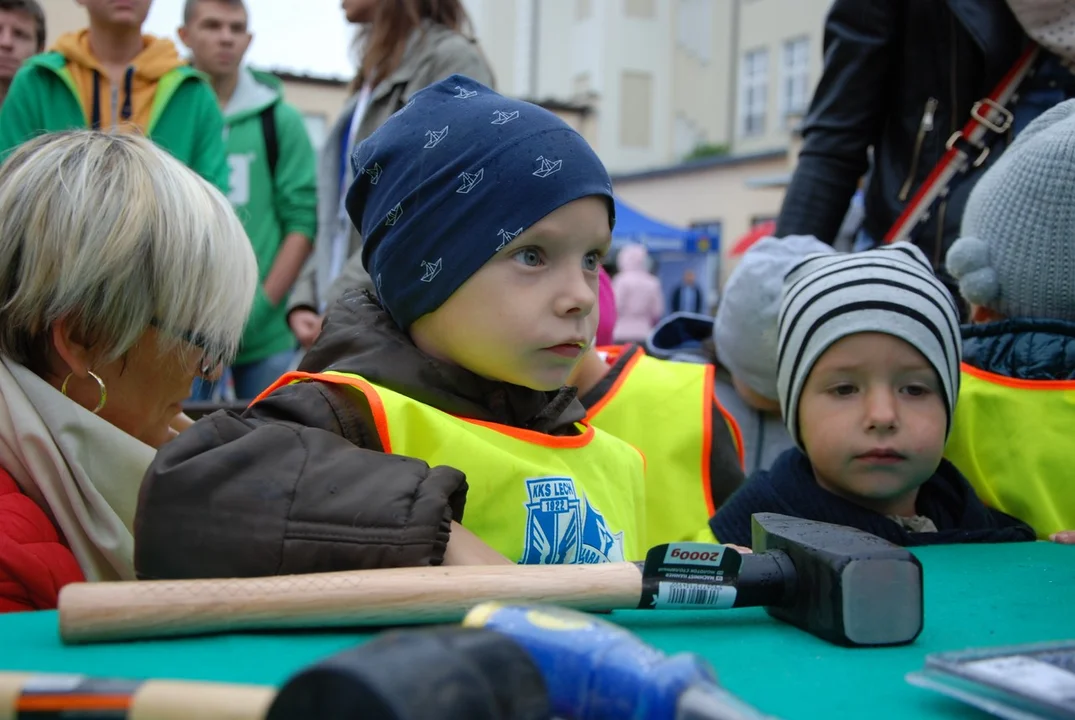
967, 148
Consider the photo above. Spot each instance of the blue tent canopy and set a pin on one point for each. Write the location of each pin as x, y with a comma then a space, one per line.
634, 227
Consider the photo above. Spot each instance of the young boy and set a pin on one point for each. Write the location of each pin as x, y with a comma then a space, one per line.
868, 375
485, 220
1014, 262
273, 184
22, 33
111, 76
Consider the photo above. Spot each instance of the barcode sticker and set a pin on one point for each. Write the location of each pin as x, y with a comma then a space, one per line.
690, 575
1027, 676
680, 595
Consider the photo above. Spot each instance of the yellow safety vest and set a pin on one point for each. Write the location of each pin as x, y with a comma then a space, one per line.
665, 409
535, 498
1012, 440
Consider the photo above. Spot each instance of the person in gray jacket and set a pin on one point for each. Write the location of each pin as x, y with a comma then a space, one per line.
399, 58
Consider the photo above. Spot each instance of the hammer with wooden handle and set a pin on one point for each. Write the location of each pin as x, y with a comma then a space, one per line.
446, 673
841, 584
24, 696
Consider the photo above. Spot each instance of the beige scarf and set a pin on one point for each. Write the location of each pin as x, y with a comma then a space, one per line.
81, 470
1050, 23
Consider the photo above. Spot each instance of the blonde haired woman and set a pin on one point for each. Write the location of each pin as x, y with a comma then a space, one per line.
123, 275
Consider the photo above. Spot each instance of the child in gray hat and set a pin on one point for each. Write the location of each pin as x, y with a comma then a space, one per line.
1015, 264
744, 336
867, 376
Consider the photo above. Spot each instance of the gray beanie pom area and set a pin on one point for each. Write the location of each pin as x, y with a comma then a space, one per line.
1016, 253
968, 260
745, 329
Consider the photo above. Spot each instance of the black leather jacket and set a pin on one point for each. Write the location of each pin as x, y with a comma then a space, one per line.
900, 76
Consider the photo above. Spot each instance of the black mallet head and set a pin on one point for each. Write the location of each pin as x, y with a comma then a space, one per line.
850, 587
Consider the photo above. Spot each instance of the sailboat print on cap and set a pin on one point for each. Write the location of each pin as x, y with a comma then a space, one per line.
464, 93
374, 173
506, 237
435, 136
430, 270
470, 180
393, 215
547, 167
503, 118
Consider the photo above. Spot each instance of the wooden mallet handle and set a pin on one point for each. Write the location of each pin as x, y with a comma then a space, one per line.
147, 700
108, 611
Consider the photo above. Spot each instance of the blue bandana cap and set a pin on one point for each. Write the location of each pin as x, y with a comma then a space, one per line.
453, 177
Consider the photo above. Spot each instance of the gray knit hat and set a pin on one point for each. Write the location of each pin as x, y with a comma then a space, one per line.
891, 290
1016, 253
744, 332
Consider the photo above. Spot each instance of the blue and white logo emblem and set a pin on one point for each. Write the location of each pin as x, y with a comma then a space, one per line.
562, 529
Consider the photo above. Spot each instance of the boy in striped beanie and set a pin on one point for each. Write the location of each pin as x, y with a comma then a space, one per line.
868, 376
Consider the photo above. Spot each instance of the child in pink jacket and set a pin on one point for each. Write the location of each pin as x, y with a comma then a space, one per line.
639, 299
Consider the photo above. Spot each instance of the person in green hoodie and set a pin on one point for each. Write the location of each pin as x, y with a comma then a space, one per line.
273, 185
110, 76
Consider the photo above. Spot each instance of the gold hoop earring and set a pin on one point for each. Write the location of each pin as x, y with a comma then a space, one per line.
102, 396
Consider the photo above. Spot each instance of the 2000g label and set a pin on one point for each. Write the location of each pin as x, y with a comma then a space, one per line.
695, 555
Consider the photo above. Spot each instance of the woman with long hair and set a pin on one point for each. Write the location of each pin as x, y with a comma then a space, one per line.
403, 46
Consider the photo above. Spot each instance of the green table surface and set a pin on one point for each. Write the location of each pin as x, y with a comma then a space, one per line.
976, 596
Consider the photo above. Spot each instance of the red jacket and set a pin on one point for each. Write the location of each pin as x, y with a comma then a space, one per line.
34, 562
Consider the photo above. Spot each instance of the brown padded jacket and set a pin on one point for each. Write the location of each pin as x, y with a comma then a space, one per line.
298, 483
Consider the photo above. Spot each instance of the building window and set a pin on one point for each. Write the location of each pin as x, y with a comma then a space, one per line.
753, 92
583, 9
639, 8
694, 28
636, 109
795, 78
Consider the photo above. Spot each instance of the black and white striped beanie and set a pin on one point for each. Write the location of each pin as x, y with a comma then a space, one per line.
889, 290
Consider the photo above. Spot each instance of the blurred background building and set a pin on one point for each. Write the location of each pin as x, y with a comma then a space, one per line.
692, 104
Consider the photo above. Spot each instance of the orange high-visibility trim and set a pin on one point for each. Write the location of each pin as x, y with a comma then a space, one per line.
380, 417
1017, 382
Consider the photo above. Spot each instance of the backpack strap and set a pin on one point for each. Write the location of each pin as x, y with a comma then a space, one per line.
272, 144
967, 148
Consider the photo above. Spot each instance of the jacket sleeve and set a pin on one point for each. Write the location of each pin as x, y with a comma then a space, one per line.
34, 562
304, 292
455, 55
845, 116
295, 185
297, 484
210, 156
353, 276
21, 114
657, 311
